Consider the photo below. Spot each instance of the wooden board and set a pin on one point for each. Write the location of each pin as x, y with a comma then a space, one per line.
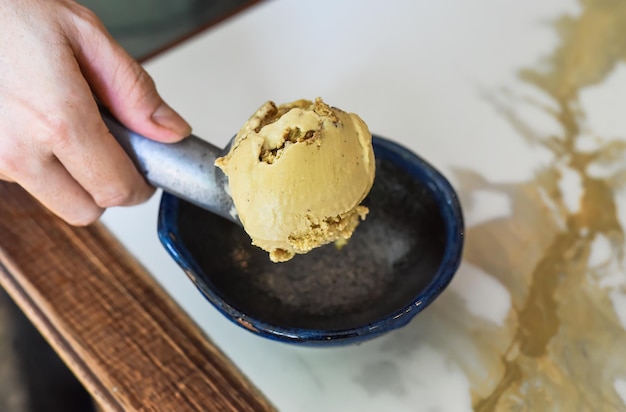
131, 346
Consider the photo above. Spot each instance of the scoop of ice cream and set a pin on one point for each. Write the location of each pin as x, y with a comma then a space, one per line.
298, 173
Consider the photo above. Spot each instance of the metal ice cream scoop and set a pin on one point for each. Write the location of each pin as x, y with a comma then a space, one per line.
393, 267
184, 169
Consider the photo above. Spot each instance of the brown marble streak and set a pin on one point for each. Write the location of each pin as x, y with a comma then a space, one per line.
565, 349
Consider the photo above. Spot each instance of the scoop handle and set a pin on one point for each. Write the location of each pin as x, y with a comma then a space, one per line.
185, 169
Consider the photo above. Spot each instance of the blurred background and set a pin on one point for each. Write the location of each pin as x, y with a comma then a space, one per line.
144, 27
32, 377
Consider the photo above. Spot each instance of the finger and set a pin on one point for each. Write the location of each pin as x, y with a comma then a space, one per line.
60, 193
122, 84
5, 178
73, 131
95, 159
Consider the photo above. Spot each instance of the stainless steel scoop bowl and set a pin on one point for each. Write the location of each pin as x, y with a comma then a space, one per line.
396, 263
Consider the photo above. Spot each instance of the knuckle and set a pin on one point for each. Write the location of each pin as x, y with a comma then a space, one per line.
16, 158
9, 163
54, 132
142, 77
84, 18
142, 85
85, 217
120, 196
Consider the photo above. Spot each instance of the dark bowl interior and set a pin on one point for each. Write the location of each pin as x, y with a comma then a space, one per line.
397, 261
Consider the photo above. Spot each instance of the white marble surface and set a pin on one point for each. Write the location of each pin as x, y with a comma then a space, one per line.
423, 73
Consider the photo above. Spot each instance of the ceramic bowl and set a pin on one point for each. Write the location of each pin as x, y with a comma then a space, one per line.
396, 263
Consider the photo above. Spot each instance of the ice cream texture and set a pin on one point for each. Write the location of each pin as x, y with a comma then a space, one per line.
298, 173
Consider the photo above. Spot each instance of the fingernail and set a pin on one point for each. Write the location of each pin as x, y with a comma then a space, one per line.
166, 117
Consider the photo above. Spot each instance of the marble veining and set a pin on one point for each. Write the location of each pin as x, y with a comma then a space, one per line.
564, 350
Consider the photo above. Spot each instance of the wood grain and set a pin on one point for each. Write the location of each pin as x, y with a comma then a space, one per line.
132, 347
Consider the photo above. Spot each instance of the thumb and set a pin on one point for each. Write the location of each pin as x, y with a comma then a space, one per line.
121, 83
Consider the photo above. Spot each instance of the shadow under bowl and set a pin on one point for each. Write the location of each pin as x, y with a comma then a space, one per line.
396, 263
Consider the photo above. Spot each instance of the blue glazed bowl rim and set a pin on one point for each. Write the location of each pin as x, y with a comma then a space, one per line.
448, 204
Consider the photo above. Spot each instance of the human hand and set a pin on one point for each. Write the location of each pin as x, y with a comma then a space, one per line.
55, 56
